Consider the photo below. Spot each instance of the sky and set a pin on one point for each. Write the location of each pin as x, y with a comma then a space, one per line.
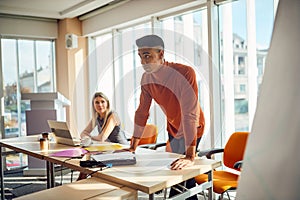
264, 20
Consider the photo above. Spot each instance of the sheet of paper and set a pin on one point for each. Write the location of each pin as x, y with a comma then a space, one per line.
113, 156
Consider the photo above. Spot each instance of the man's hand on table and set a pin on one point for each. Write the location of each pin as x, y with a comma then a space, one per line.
181, 163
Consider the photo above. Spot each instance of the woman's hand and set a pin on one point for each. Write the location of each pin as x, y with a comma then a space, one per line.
181, 163
86, 141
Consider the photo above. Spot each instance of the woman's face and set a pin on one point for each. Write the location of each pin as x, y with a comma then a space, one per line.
100, 105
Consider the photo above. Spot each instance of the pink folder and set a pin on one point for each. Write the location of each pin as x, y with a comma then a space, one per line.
70, 153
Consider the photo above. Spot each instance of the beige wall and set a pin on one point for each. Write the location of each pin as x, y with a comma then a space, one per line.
71, 71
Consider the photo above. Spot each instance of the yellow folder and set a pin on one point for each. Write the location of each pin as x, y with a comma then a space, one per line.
104, 147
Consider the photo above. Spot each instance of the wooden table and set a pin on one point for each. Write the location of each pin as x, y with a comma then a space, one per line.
91, 188
149, 175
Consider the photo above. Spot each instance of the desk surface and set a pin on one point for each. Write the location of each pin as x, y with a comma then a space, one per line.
91, 188
31, 146
150, 174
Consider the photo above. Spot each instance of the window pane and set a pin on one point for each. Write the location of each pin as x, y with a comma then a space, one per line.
9, 68
264, 13
10, 96
44, 66
245, 34
128, 72
26, 65
104, 72
186, 42
20, 59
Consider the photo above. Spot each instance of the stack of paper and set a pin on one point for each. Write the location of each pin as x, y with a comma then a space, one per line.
116, 159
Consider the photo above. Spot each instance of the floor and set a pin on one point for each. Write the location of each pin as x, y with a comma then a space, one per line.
18, 185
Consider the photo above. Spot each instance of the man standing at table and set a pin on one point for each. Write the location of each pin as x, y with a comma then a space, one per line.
174, 87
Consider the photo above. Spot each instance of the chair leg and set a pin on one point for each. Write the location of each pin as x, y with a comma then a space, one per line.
165, 193
204, 195
61, 175
221, 197
228, 195
71, 176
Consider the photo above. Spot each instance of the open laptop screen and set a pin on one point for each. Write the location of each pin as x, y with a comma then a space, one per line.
62, 133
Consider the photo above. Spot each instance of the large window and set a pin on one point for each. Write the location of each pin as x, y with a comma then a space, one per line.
185, 38
245, 30
27, 66
227, 45
186, 41
118, 70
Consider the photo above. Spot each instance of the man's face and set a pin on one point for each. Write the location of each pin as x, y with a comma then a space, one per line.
151, 59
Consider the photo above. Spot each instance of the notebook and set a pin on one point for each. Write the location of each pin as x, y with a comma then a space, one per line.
116, 158
62, 133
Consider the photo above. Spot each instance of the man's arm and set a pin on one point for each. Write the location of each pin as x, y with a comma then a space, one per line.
134, 142
190, 112
140, 118
188, 99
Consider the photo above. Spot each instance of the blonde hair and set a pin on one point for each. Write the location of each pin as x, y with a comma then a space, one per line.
94, 113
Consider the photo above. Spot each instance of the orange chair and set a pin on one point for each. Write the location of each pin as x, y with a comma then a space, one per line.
233, 153
149, 136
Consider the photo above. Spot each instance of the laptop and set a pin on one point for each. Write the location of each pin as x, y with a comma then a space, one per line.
62, 133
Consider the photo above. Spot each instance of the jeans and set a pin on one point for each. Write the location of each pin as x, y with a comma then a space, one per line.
178, 146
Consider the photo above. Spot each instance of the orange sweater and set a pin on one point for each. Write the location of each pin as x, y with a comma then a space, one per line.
174, 88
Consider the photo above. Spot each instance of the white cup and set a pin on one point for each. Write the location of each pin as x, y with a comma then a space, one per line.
86, 141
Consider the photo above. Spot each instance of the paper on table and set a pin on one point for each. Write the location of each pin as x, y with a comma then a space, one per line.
114, 156
104, 147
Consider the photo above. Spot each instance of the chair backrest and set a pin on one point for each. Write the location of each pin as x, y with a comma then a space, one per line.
235, 148
149, 135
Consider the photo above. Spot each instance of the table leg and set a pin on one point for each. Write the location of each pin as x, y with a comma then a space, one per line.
50, 175
210, 189
1, 174
151, 196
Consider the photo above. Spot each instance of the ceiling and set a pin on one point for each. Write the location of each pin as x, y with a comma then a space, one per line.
55, 9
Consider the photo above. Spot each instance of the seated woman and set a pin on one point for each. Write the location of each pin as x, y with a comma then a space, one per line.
107, 122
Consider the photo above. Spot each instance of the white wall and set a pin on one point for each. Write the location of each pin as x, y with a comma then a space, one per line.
134, 11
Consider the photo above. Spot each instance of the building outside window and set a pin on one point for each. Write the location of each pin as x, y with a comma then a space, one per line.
245, 33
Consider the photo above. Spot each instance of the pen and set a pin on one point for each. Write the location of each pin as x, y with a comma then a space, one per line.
106, 167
